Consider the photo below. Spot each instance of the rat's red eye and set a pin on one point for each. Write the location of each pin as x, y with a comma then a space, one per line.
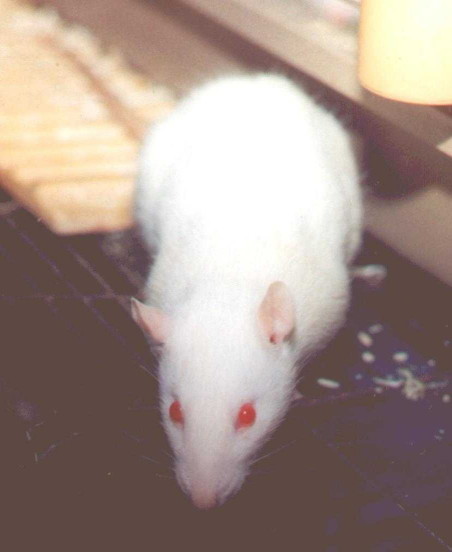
175, 412
246, 416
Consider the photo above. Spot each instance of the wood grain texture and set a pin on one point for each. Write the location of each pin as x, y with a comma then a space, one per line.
72, 116
151, 40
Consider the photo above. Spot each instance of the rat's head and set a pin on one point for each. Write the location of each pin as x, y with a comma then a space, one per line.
226, 379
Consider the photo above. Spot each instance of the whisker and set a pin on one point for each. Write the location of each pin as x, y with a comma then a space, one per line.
169, 455
165, 476
260, 472
302, 363
133, 437
149, 459
273, 452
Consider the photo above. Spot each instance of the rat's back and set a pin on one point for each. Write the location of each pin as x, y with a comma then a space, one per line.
244, 169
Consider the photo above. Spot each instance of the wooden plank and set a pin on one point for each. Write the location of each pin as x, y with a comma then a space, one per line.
68, 74
152, 41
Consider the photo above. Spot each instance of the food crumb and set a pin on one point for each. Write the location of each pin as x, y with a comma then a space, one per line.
365, 339
431, 362
375, 328
446, 398
328, 383
413, 389
388, 382
368, 357
400, 356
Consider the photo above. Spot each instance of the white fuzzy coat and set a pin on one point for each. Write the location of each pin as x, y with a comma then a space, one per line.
248, 182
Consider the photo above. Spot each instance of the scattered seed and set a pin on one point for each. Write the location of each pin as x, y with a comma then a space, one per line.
400, 356
413, 388
378, 390
330, 384
365, 339
368, 357
446, 398
431, 362
358, 376
386, 382
375, 328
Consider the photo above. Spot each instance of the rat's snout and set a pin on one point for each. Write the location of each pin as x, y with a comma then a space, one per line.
209, 484
208, 489
202, 490
209, 466
204, 499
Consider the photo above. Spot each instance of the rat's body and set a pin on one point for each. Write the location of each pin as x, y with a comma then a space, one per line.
249, 195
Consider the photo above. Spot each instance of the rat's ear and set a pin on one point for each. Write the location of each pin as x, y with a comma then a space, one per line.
152, 321
276, 313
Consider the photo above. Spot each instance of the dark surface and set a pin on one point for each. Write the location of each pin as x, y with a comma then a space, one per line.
86, 465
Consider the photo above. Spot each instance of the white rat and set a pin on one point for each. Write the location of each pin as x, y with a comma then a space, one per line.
248, 193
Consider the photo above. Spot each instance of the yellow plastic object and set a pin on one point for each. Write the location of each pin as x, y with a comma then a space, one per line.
405, 49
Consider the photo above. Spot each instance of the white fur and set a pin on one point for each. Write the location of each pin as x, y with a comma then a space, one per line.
246, 183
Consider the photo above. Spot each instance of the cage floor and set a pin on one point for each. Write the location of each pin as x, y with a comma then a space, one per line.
84, 459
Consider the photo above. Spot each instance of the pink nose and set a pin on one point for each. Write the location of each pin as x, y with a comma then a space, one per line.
204, 500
